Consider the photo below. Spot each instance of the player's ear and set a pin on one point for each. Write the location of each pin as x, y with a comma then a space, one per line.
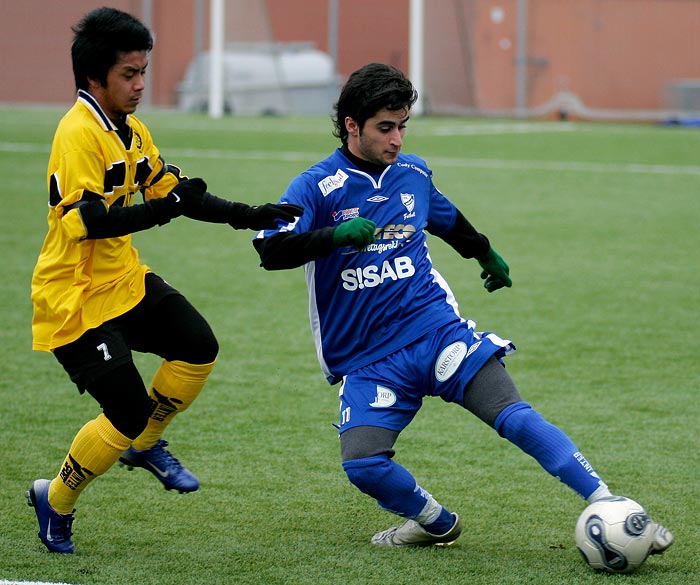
93, 83
352, 126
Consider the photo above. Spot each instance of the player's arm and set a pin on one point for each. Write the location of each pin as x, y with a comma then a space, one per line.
91, 218
95, 219
213, 209
86, 215
469, 243
464, 238
288, 249
167, 181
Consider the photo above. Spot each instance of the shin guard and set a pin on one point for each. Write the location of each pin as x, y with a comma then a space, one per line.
174, 387
553, 450
394, 488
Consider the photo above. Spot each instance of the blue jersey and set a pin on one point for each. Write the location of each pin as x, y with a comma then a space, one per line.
365, 305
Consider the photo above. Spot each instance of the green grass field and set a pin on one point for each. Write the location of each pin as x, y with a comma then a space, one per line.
599, 224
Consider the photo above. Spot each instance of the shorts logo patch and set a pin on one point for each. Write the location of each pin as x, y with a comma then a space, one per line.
473, 348
384, 398
449, 359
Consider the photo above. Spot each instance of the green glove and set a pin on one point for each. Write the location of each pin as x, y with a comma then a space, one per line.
357, 232
495, 271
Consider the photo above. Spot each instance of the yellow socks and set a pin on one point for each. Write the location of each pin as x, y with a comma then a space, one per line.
174, 387
95, 448
98, 445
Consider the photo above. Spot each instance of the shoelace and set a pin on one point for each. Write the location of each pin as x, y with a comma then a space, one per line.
163, 457
63, 529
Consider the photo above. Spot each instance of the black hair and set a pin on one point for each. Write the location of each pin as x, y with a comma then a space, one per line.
369, 89
98, 40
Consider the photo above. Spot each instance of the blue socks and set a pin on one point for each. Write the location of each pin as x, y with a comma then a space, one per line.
396, 490
442, 525
553, 450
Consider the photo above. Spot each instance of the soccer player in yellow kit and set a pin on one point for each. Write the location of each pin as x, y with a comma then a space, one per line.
94, 302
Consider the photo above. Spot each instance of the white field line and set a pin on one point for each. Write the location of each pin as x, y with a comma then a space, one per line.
3, 582
476, 163
492, 128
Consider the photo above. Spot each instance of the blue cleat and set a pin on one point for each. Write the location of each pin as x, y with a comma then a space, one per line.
161, 463
55, 530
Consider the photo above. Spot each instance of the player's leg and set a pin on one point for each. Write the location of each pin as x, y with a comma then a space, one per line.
100, 363
372, 415
367, 460
493, 397
169, 326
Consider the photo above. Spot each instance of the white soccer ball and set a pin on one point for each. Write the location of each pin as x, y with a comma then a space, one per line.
614, 535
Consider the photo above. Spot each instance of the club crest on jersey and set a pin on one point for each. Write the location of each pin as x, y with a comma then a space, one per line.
449, 359
409, 202
384, 398
332, 182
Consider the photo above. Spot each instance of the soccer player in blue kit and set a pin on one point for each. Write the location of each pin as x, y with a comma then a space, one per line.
385, 323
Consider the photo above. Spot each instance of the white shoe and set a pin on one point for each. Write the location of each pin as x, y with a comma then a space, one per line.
410, 533
662, 539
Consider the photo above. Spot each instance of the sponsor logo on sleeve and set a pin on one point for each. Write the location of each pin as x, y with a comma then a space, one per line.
332, 182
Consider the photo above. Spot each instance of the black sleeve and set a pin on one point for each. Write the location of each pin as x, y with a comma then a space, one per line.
214, 209
289, 250
104, 221
465, 239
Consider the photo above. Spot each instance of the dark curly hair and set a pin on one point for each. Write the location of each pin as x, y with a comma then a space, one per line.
100, 37
369, 89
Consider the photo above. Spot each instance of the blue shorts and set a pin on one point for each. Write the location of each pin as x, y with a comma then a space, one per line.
388, 393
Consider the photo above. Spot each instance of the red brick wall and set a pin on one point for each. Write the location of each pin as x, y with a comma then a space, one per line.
616, 54
35, 40
368, 30
613, 54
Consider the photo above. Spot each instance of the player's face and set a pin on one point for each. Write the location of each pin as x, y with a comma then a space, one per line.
380, 140
126, 81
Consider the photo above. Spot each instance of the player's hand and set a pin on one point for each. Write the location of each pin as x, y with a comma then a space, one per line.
357, 232
495, 271
265, 217
186, 198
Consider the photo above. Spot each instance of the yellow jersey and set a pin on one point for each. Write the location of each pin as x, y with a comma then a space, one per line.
80, 283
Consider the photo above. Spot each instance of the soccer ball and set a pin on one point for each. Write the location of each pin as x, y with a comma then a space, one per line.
614, 535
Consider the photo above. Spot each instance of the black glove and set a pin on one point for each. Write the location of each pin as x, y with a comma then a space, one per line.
263, 217
191, 199
187, 198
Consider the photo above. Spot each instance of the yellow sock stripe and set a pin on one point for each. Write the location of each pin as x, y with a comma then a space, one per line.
95, 448
175, 386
